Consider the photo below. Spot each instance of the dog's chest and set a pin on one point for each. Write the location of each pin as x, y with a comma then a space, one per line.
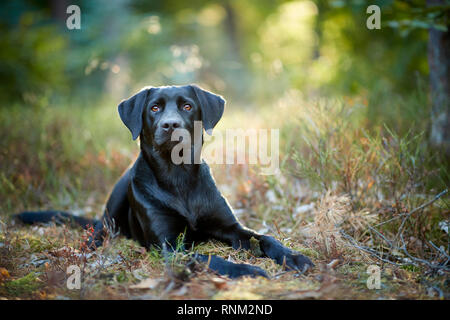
190, 204
174, 201
178, 194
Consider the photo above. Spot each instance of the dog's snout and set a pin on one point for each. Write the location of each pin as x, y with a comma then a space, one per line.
169, 125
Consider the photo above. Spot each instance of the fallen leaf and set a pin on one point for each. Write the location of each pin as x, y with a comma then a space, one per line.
4, 274
219, 283
333, 263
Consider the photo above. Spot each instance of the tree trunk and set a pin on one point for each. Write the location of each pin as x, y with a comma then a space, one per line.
238, 67
58, 10
439, 66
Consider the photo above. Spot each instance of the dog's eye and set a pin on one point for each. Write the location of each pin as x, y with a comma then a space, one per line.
187, 107
155, 108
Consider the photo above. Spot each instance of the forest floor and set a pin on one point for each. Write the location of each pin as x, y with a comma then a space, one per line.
34, 262
69, 160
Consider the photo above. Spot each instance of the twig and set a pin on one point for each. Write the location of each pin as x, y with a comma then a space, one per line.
368, 250
407, 215
382, 236
400, 230
439, 250
432, 266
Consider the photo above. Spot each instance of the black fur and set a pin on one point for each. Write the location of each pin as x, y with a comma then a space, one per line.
156, 200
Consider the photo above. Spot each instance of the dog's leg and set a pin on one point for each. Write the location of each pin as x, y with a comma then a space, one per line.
239, 237
171, 243
231, 269
218, 264
115, 217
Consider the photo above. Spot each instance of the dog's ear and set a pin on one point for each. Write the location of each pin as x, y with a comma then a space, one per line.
212, 106
130, 111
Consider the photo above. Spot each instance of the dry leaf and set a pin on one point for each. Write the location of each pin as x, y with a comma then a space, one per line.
4, 274
333, 263
219, 283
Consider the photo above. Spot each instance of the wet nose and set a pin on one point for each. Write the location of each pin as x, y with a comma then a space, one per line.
170, 125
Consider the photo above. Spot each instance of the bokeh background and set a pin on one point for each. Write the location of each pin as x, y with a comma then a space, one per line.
355, 108
249, 51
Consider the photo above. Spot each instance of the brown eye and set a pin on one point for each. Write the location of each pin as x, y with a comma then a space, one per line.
187, 107
155, 108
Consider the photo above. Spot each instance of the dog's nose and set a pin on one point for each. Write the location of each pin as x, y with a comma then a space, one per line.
170, 125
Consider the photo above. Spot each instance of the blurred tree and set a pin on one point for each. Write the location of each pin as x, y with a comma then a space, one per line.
33, 55
439, 64
253, 50
433, 16
58, 10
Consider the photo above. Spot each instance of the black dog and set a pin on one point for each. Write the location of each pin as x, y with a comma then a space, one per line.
156, 200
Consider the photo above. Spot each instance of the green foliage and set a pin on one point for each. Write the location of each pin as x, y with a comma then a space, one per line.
411, 268
253, 51
407, 16
23, 286
32, 62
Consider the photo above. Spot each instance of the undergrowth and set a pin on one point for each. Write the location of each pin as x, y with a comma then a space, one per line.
351, 193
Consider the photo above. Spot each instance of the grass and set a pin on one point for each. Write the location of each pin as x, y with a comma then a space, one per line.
341, 175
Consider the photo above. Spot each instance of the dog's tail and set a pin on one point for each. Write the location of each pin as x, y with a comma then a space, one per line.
61, 218
58, 217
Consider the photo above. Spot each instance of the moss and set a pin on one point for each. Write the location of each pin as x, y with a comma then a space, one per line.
23, 286
309, 252
255, 249
355, 269
410, 268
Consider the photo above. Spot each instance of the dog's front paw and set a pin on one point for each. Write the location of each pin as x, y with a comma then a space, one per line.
284, 256
297, 261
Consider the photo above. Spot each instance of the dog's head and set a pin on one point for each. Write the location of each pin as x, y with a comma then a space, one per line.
156, 112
